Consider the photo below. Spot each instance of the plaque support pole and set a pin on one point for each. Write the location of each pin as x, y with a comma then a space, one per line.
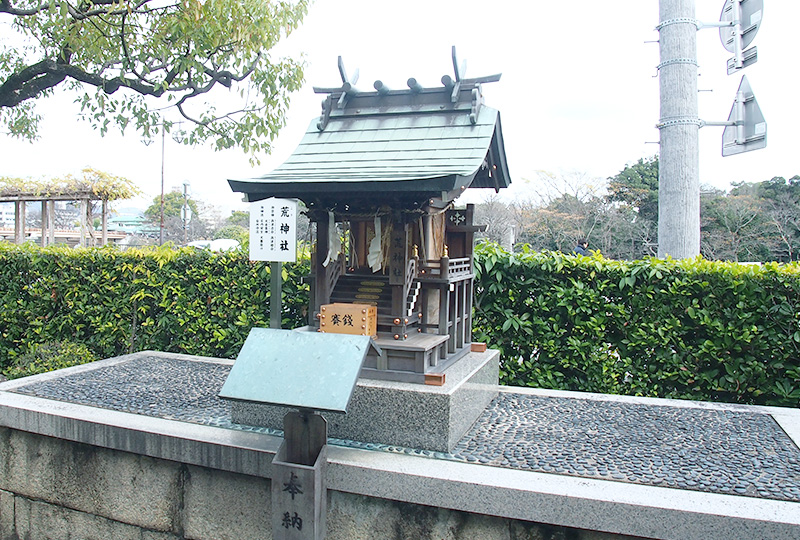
276, 283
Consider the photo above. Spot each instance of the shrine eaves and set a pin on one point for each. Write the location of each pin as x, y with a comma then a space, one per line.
406, 146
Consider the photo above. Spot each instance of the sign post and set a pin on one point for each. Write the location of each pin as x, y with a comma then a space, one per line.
298, 478
310, 372
273, 238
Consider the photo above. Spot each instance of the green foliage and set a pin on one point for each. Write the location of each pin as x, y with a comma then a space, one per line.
689, 329
240, 218
187, 300
173, 207
143, 63
637, 186
100, 184
44, 357
234, 232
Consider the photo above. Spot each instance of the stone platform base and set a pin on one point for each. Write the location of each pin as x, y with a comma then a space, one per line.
403, 414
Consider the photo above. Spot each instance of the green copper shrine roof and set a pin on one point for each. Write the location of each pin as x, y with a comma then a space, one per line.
421, 142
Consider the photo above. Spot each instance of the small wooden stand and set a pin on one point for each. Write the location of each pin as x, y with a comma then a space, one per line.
298, 478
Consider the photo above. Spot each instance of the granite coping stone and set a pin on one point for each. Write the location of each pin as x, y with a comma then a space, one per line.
726, 450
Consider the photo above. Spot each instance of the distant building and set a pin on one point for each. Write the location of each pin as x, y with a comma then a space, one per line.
131, 220
6, 214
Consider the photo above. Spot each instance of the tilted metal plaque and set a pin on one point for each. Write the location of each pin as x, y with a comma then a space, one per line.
303, 370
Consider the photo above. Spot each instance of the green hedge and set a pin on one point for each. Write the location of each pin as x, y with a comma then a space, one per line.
44, 357
683, 329
688, 329
189, 301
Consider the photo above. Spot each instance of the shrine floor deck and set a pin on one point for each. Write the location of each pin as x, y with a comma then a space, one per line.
742, 452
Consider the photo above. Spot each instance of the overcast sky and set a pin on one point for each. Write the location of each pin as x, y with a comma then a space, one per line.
579, 91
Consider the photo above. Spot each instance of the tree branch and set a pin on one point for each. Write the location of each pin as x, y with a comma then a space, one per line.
48, 73
6, 7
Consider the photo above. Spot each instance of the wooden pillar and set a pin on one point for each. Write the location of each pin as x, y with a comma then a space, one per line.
462, 313
427, 235
19, 222
322, 294
398, 253
43, 229
444, 301
104, 219
82, 212
51, 222
360, 243
452, 319
398, 262
468, 325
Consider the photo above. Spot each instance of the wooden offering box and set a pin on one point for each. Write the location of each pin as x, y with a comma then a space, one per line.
353, 319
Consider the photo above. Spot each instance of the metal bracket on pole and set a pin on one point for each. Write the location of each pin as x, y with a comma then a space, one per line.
703, 124
679, 20
679, 121
748, 57
673, 61
721, 24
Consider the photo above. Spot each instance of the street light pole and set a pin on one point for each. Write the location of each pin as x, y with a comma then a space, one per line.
185, 212
161, 226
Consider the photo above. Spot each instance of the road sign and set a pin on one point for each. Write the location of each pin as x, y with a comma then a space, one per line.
743, 18
747, 14
746, 129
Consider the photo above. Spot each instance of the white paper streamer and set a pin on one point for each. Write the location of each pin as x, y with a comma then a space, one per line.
375, 255
334, 242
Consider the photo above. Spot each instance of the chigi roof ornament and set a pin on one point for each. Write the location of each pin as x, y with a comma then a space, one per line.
454, 93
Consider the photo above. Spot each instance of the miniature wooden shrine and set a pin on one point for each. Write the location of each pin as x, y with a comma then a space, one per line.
379, 173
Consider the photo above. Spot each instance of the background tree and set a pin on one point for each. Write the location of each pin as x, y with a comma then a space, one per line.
780, 200
234, 232
240, 218
637, 187
753, 222
148, 62
732, 228
634, 193
173, 217
499, 221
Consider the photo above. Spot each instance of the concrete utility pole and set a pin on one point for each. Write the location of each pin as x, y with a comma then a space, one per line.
679, 161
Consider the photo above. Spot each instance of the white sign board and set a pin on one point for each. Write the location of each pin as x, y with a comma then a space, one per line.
273, 230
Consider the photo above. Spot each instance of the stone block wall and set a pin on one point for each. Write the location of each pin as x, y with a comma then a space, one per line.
53, 489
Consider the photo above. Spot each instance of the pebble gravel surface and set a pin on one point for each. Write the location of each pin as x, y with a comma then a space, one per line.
716, 451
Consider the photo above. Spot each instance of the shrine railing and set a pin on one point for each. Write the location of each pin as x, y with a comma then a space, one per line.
334, 271
457, 267
411, 274
446, 268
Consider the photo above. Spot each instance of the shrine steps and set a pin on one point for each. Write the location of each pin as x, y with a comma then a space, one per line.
375, 290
